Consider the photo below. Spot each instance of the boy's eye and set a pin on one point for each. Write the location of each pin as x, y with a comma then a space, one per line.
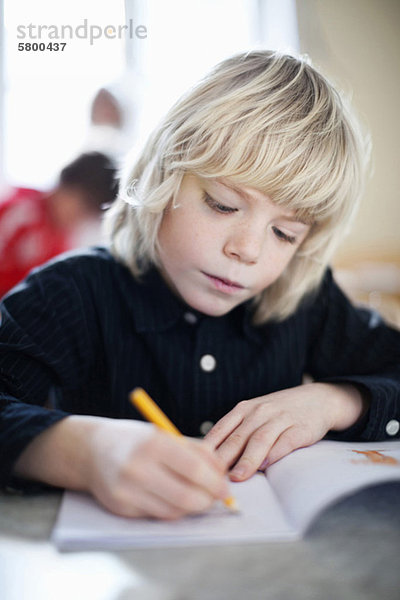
283, 236
217, 206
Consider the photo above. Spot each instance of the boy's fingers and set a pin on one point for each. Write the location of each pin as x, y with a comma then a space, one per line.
290, 440
181, 496
223, 428
135, 497
208, 452
195, 464
177, 474
232, 448
257, 450
139, 502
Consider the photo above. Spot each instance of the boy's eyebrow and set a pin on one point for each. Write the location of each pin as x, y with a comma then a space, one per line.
232, 188
302, 220
295, 219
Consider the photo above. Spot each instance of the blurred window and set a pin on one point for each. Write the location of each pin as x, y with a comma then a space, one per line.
45, 95
187, 38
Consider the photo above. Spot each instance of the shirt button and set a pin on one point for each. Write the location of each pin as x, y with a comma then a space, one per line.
190, 318
392, 427
205, 427
208, 362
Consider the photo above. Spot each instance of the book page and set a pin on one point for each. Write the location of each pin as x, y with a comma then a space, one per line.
83, 524
309, 479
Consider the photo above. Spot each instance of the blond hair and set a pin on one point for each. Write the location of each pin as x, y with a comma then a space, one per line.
264, 120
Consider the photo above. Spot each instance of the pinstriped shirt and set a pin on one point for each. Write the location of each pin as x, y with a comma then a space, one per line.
82, 332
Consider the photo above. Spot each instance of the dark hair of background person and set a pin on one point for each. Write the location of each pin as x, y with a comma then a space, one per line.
96, 175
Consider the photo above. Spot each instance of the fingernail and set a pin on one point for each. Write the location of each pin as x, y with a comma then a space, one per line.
264, 464
238, 472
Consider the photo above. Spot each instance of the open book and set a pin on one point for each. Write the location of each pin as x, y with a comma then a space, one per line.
274, 506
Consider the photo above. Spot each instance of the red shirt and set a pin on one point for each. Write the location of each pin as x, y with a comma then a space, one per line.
27, 235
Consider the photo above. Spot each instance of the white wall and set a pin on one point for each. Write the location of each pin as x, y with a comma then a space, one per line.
357, 44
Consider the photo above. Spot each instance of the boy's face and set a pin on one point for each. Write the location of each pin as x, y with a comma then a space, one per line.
224, 244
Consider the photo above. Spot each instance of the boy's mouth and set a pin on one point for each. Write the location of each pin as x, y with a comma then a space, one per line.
224, 285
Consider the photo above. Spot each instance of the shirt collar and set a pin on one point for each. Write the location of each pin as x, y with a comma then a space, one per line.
255, 333
156, 308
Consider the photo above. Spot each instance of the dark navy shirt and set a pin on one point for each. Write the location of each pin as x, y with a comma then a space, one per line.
79, 333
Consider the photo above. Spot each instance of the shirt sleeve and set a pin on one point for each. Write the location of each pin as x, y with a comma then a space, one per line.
354, 345
46, 341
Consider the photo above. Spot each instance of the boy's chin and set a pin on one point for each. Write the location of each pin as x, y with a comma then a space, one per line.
211, 309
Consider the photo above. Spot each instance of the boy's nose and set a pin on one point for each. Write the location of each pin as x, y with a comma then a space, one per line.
245, 246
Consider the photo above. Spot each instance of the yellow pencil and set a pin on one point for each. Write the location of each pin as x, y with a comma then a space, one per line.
149, 409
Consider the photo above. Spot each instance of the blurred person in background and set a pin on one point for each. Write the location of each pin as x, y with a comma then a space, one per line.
106, 131
112, 123
36, 226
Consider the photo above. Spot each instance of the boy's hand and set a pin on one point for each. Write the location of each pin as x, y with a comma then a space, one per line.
258, 432
138, 471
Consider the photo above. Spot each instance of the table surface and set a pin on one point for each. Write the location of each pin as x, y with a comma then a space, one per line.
351, 552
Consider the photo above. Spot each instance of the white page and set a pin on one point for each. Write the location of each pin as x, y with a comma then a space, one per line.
277, 507
82, 523
310, 479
